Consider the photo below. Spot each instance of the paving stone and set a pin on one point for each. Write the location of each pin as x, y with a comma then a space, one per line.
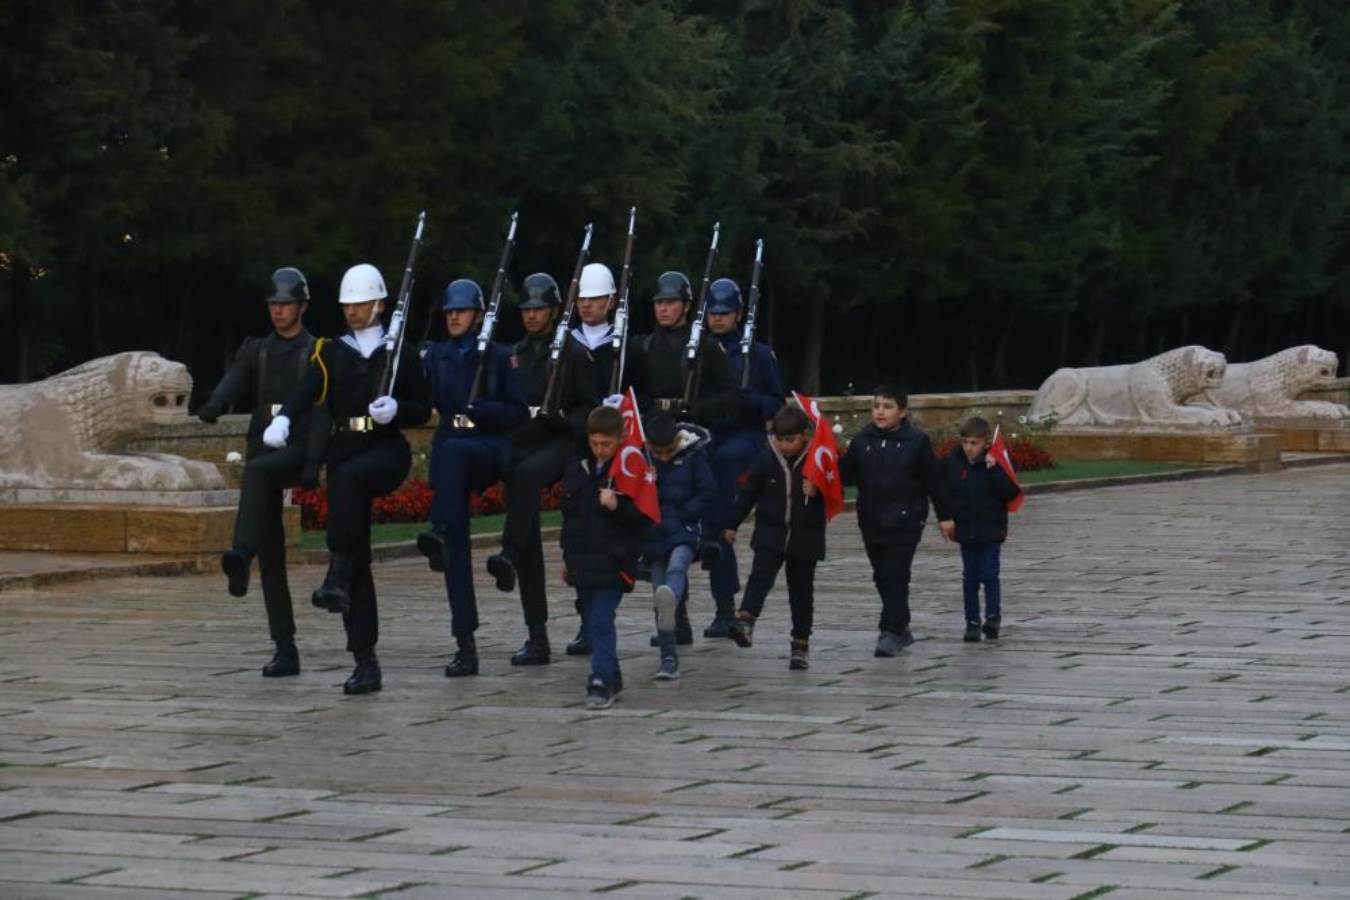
1168, 715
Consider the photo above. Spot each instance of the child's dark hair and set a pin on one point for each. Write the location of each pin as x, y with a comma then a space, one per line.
790, 420
976, 427
605, 420
892, 391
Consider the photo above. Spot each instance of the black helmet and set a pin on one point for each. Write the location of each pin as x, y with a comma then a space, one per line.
673, 286
539, 291
288, 286
462, 293
724, 296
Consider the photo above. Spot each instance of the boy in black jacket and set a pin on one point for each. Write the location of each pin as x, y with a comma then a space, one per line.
601, 537
789, 530
980, 492
893, 466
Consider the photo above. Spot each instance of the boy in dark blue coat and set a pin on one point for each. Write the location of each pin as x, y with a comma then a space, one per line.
601, 539
687, 490
896, 472
789, 531
980, 492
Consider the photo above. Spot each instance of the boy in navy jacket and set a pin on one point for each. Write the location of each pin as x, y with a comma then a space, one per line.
687, 490
980, 491
789, 531
601, 539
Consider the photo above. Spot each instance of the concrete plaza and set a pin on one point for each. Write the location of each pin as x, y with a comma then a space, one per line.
1167, 715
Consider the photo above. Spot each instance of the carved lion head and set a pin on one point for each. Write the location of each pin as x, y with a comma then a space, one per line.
1205, 367
1308, 366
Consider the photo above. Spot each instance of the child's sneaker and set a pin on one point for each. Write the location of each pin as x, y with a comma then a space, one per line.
799, 659
743, 629
972, 635
991, 629
598, 695
665, 601
669, 671
890, 644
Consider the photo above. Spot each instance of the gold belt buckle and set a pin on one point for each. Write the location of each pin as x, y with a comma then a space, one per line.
361, 423
463, 421
276, 409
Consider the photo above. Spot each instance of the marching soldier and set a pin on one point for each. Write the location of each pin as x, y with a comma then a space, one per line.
266, 370
738, 439
661, 374
470, 451
540, 451
366, 456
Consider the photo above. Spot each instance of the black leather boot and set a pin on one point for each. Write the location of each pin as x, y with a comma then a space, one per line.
432, 544
286, 661
335, 594
500, 567
535, 651
365, 678
235, 563
465, 660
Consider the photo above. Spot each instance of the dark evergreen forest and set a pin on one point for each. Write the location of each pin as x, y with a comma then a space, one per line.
958, 194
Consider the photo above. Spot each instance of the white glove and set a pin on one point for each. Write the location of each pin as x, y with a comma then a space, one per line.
276, 433
614, 400
383, 409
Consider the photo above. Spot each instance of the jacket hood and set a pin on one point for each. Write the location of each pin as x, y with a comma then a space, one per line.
691, 436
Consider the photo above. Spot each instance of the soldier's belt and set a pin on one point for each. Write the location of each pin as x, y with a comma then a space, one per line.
356, 423
666, 404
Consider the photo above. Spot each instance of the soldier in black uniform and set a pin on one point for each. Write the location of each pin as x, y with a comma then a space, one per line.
659, 371
265, 371
367, 455
540, 451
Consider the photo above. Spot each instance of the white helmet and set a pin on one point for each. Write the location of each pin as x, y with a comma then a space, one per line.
361, 284
596, 281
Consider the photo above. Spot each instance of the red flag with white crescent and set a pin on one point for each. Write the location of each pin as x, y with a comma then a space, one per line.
633, 474
998, 449
821, 467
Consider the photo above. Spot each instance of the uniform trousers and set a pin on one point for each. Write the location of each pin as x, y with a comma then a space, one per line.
732, 456
801, 585
533, 469
354, 481
460, 465
258, 528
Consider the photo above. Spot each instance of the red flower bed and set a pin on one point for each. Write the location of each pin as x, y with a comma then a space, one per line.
1026, 456
410, 503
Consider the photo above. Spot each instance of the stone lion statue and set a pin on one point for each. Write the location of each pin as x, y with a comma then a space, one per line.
65, 431
1269, 388
1152, 393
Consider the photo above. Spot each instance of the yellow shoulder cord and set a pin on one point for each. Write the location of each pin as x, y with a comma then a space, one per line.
317, 359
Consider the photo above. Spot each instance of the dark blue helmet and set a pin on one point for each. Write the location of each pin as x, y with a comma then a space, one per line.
673, 286
463, 293
724, 296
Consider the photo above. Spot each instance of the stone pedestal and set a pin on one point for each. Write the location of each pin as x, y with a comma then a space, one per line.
1308, 435
1257, 451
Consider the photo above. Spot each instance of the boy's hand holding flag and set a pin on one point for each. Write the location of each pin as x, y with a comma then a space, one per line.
821, 467
998, 455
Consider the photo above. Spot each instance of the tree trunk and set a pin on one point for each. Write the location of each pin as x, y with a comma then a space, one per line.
1094, 354
1065, 321
815, 341
999, 375
1231, 343
974, 359
18, 327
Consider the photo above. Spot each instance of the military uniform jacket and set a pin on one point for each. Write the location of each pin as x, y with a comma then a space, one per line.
266, 370
660, 373
344, 383
576, 390
450, 369
763, 397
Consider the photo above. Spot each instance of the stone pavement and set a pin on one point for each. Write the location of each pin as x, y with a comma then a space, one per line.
1168, 715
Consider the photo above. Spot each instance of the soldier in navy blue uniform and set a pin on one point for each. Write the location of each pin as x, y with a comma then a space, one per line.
266, 370
541, 448
366, 455
737, 439
470, 451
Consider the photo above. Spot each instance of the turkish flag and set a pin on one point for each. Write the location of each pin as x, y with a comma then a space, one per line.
999, 451
631, 472
822, 458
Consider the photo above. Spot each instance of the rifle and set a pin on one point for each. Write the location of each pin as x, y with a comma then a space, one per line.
619, 341
549, 403
393, 338
494, 306
691, 357
751, 314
